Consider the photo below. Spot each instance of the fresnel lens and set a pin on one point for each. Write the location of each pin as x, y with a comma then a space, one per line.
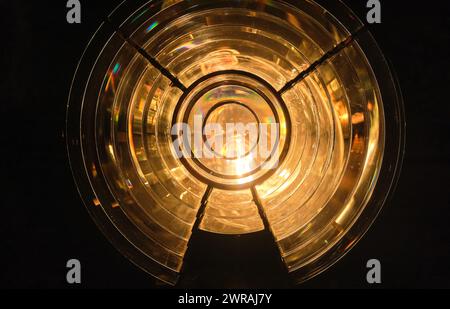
233, 117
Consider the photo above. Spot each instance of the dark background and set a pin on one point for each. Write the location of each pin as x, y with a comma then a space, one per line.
44, 223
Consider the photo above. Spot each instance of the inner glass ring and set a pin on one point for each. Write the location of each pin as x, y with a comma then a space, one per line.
226, 113
242, 99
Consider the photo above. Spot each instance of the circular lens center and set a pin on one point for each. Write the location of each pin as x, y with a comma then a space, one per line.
238, 129
231, 130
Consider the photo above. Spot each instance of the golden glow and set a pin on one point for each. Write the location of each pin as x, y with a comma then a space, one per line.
324, 154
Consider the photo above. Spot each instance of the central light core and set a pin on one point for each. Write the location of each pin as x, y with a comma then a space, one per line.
238, 129
228, 119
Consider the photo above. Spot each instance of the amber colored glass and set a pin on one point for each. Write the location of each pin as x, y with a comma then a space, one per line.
338, 142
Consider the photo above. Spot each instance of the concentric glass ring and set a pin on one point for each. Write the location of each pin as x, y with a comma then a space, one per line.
257, 99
